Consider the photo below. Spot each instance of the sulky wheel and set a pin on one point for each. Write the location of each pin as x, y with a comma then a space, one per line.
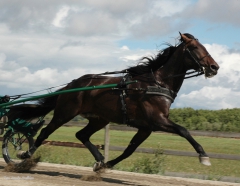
13, 142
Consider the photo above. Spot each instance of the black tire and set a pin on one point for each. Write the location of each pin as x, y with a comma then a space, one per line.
13, 142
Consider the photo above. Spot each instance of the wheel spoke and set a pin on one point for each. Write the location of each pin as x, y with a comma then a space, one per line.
19, 140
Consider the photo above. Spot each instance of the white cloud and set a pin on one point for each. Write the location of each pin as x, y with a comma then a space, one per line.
60, 16
131, 57
47, 61
124, 48
210, 97
166, 8
217, 11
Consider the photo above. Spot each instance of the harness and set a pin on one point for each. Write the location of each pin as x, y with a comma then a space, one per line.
158, 90
122, 87
151, 90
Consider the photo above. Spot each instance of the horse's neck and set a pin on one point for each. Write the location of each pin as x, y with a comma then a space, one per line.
173, 67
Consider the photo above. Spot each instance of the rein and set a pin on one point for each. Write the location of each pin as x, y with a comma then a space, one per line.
198, 73
14, 97
114, 72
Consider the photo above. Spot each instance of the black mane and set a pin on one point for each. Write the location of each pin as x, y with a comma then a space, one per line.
151, 64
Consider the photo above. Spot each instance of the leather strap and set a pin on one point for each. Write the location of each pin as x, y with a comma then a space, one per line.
158, 90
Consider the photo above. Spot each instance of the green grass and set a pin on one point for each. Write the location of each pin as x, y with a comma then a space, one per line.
76, 156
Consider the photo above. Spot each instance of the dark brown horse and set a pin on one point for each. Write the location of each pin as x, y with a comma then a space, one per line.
144, 105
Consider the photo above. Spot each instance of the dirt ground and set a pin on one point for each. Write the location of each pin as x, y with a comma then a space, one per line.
46, 174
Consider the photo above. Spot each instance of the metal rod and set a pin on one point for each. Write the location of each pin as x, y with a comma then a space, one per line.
64, 92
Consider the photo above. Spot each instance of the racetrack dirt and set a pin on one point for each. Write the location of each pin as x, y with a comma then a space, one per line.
46, 174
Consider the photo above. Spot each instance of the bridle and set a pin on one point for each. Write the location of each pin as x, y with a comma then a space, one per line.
198, 72
193, 55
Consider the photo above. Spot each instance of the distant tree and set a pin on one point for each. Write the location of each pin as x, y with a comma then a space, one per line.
214, 120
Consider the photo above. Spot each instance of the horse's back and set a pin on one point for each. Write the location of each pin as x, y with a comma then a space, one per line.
93, 80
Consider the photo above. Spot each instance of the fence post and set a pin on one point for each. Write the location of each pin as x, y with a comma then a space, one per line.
106, 143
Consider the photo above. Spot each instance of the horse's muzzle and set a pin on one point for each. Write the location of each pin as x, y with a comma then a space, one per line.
211, 71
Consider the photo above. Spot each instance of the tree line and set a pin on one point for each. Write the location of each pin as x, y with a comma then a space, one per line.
207, 120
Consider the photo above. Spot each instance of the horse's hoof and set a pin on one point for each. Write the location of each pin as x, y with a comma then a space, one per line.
98, 165
22, 155
205, 161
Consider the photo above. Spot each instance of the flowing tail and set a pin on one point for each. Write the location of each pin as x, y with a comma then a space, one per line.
28, 112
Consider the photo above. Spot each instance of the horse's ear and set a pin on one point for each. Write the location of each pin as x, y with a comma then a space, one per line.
181, 39
184, 38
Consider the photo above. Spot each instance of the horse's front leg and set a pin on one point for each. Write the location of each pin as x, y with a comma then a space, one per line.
168, 126
138, 138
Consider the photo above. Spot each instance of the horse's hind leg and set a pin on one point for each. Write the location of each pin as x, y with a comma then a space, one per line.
138, 138
57, 121
94, 125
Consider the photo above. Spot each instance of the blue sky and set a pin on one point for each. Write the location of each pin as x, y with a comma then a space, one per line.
207, 32
49, 43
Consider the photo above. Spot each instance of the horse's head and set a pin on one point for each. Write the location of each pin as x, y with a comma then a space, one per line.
197, 57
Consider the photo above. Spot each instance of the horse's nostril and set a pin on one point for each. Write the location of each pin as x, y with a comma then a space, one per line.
214, 67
